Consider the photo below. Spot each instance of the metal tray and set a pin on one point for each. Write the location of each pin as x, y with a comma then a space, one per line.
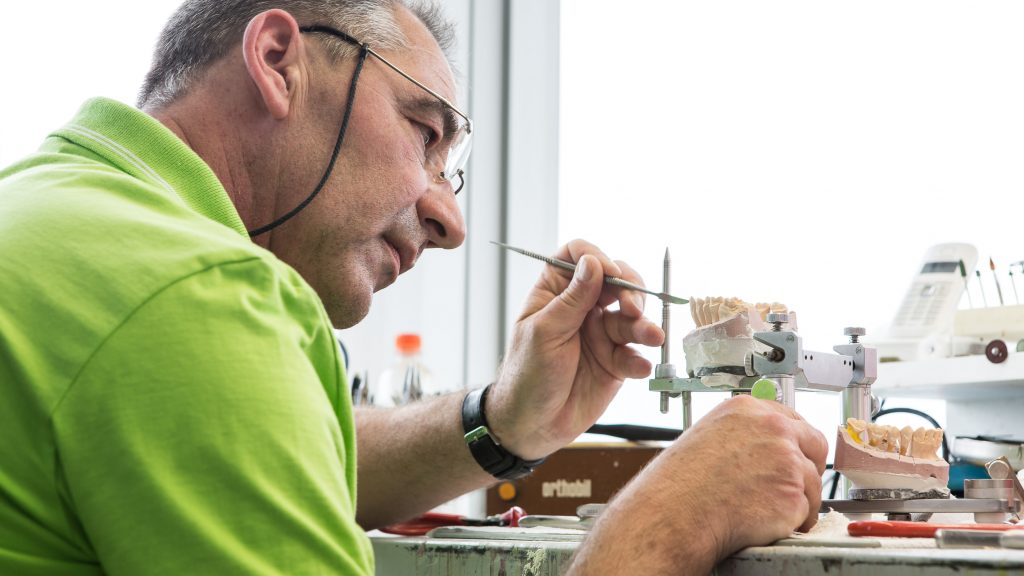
979, 450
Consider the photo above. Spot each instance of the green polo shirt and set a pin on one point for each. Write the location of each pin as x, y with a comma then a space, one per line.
173, 400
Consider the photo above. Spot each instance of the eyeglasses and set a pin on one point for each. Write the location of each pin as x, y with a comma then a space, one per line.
444, 160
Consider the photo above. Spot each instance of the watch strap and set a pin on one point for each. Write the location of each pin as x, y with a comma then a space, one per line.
490, 455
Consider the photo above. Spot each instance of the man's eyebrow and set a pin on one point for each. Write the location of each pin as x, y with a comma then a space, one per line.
436, 109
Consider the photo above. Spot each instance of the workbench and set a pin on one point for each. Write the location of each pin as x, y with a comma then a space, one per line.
420, 555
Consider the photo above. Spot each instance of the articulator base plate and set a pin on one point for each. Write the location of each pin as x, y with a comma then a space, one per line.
934, 505
895, 494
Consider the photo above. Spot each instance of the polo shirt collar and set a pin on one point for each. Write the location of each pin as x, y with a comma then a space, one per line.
140, 145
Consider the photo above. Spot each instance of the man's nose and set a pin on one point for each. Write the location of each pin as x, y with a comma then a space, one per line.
440, 214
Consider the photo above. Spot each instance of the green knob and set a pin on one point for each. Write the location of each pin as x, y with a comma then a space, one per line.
764, 389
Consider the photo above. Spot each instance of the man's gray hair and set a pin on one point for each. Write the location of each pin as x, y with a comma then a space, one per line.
202, 31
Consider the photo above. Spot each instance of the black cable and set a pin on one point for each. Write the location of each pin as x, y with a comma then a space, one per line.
634, 432
344, 352
337, 145
835, 485
639, 433
933, 421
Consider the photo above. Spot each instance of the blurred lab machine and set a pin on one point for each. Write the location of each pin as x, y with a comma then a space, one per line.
958, 335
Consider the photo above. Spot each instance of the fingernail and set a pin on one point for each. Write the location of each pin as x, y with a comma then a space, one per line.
582, 270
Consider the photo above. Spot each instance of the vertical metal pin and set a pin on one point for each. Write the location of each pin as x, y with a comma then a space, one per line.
663, 369
687, 411
666, 309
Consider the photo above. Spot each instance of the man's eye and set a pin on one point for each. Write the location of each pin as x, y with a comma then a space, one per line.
429, 135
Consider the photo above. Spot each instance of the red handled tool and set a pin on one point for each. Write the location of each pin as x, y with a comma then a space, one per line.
424, 523
916, 529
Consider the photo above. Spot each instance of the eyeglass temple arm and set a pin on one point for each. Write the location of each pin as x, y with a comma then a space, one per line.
339, 34
417, 82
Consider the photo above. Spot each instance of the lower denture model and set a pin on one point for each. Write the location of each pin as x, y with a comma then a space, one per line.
904, 462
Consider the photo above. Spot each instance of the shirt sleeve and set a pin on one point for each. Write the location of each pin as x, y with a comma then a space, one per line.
211, 434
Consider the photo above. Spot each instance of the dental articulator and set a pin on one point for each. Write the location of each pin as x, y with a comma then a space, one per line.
745, 348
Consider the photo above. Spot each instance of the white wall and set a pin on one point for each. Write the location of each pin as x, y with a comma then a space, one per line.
58, 54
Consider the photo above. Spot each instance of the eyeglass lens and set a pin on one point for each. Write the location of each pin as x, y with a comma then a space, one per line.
458, 153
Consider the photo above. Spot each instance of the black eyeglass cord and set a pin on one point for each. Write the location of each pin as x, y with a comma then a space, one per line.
363, 52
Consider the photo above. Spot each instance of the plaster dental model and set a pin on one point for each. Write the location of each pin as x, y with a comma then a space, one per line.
716, 349
888, 462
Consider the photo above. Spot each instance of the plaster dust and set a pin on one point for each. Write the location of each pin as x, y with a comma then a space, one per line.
830, 531
830, 525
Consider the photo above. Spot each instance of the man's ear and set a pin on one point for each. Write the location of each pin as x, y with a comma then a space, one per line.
272, 51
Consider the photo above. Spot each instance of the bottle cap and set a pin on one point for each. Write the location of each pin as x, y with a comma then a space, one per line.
408, 343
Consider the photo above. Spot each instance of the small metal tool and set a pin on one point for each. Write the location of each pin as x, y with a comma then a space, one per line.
981, 287
361, 389
1014, 284
969, 538
593, 510
999, 289
412, 388
607, 279
570, 522
427, 521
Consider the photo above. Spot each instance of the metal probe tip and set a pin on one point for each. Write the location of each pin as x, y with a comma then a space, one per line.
607, 279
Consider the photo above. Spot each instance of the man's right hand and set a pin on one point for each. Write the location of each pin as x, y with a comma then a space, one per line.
747, 474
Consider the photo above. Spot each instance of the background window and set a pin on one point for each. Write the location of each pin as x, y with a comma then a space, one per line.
61, 54
797, 151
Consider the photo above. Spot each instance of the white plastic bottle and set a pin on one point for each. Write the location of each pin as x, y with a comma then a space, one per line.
407, 380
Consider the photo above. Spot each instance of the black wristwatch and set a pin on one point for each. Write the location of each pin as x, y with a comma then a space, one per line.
497, 461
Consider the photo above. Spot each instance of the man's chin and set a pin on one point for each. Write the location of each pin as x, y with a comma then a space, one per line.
347, 313
385, 279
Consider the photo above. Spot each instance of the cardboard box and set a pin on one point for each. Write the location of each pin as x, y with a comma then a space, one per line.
577, 474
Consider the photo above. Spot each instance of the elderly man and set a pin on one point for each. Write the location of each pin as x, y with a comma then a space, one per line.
174, 400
